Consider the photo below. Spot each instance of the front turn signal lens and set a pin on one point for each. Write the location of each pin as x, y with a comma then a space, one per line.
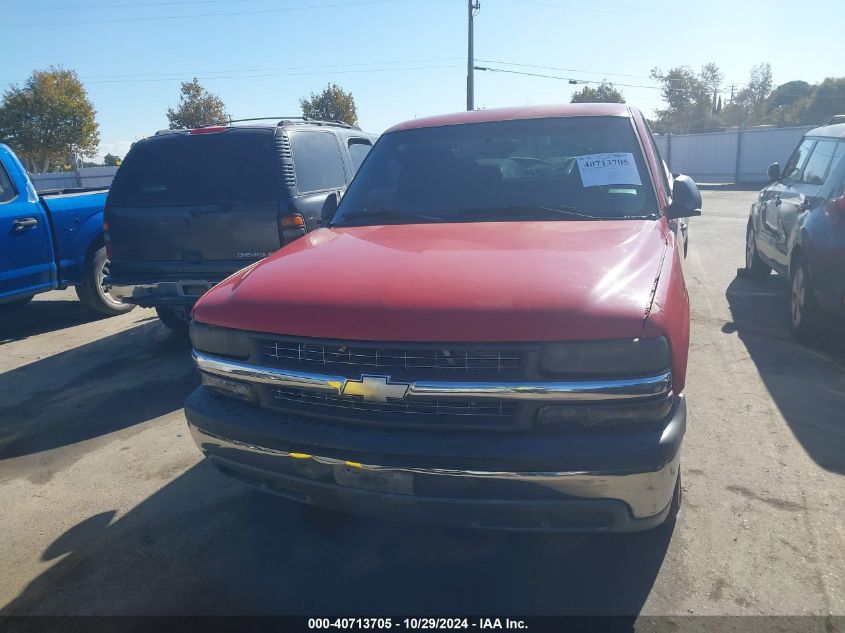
585, 416
231, 388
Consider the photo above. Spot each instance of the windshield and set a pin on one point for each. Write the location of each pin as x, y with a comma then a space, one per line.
174, 169
573, 168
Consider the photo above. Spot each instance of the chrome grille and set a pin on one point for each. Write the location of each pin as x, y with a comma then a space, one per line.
487, 409
289, 353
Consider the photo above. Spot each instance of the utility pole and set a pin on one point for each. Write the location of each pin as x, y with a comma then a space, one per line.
473, 6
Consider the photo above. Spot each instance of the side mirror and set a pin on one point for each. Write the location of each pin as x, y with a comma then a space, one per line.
773, 172
686, 199
329, 209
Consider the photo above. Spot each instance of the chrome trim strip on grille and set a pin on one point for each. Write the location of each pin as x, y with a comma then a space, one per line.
570, 391
266, 375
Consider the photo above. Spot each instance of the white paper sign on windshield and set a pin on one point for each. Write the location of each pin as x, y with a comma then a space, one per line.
608, 169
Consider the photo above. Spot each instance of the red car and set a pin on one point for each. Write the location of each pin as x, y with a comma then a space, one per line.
491, 330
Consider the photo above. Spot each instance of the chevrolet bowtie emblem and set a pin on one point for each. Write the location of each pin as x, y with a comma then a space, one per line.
375, 388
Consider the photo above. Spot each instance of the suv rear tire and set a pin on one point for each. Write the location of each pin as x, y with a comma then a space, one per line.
93, 292
172, 319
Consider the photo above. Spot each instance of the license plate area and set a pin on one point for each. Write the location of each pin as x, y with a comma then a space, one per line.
391, 481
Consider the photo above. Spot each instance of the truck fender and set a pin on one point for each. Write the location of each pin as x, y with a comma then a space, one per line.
87, 239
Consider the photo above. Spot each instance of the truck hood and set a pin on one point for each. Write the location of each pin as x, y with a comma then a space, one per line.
467, 282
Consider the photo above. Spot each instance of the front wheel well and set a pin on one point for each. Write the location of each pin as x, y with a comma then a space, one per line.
96, 244
797, 253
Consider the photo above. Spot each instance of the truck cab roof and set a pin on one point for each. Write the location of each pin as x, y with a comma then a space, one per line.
516, 113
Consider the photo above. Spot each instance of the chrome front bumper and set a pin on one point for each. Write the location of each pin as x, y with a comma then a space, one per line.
646, 494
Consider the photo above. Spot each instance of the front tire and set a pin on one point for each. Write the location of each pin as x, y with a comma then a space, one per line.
754, 266
94, 292
172, 319
806, 316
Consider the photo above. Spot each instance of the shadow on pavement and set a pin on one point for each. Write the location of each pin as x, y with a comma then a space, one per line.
109, 384
806, 384
40, 316
206, 545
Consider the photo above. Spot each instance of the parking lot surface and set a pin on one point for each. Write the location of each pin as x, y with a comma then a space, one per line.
107, 508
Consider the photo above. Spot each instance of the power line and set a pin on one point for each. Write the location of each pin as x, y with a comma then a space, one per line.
637, 12
570, 70
274, 74
133, 5
588, 81
569, 79
193, 16
380, 66
192, 73
584, 72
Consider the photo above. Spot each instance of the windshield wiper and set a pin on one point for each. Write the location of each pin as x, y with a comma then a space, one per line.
489, 213
388, 214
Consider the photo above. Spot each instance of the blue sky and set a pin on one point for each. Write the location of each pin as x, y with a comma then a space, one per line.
400, 58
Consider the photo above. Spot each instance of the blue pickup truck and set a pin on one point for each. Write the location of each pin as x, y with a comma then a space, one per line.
51, 242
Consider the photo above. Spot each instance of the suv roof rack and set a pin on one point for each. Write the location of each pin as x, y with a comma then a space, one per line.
283, 120
280, 122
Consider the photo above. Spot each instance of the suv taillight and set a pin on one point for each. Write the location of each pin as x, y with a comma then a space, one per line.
107, 239
291, 227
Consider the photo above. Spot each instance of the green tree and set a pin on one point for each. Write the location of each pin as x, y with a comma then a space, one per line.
603, 93
825, 100
332, 104
111, 160
197, 107
49, 119
780, 107
788, 94
691, 98
749, 105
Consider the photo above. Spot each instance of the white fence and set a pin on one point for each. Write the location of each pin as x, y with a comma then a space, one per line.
85, 177
730, 156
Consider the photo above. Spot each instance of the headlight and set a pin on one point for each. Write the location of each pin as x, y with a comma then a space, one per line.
231, 388
611, 358
219, 341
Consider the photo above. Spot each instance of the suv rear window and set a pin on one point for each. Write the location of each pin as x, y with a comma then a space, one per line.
317, 161
358, 150
231, 166
544, 169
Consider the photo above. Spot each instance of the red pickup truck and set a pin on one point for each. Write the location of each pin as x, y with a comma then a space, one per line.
491, 330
